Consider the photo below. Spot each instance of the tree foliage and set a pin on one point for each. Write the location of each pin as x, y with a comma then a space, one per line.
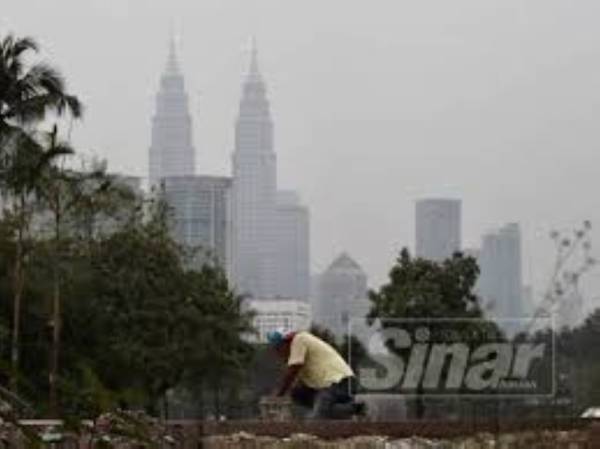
421, 288
437, 297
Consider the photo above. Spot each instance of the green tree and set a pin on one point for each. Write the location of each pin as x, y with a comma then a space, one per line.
108, 290
420, 288
139, 288
217, 356
577, 366
143, 312
423, 291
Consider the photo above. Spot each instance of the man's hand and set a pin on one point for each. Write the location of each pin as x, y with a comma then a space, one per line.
290, 376
276, 393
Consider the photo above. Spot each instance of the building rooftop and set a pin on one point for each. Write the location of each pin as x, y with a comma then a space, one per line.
344, 262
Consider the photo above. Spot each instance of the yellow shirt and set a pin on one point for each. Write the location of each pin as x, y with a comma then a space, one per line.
322, 366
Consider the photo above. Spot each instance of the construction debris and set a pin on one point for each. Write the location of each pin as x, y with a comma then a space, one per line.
542, 440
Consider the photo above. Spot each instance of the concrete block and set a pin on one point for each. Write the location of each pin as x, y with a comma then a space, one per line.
276, 409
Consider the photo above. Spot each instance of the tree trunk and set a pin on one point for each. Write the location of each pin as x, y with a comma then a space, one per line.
217, 398
55, 320
420, 403
17, 294
55, 347
201, 402
165, 406
18, 285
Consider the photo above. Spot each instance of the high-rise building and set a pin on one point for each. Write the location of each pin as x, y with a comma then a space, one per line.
438, 228
342, 295
254, 191
171, 150
200, 217
500, 282
292, 247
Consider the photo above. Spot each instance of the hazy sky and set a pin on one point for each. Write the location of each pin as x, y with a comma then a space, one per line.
376, 103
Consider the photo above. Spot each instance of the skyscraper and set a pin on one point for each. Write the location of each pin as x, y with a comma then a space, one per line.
200, 217
292, 247
171, 150
438, 228
342, 295
254, 190
500, 283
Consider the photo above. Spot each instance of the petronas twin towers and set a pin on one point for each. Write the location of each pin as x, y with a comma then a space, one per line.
267, 231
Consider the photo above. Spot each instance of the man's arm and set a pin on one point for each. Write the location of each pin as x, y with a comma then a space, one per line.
290, 376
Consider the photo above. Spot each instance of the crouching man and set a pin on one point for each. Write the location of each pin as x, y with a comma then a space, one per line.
317, 376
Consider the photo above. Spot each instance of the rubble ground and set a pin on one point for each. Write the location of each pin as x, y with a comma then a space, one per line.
523, 440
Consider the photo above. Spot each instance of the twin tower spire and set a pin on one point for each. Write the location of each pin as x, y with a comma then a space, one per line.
172, 62
172, 151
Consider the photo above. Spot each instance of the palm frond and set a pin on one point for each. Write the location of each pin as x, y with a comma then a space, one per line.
47, 78
73, 105
60, 149
61, 104
39, 79
6, 47
54, 150
22, 45
11, 54
37, 107
28, 97
27, 111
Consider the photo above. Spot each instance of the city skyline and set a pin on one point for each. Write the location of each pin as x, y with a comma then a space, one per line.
333, 115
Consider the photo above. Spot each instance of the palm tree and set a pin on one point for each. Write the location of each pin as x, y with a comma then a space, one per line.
56, 191
28, 94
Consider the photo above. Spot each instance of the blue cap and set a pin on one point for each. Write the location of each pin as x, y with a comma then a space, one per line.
275, 337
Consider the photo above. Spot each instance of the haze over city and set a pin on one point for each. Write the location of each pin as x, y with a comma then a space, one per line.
375, 104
